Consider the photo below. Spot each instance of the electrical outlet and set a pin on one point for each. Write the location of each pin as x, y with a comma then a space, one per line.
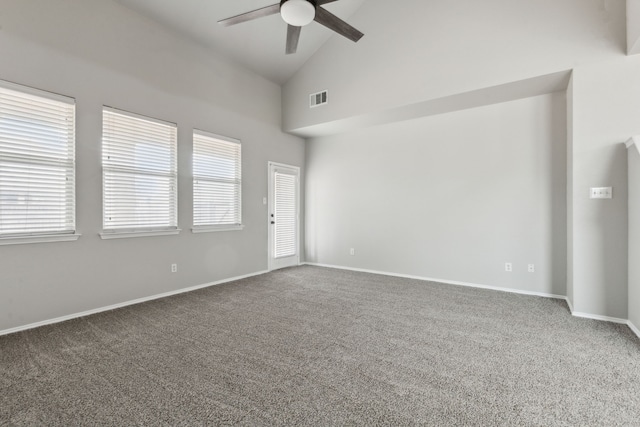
508, 266
531, 268
352, 251
174, 268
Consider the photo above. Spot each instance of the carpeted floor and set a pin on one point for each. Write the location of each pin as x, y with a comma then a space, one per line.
318, 347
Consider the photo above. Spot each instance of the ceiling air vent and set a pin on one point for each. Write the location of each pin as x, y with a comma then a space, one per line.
318, 99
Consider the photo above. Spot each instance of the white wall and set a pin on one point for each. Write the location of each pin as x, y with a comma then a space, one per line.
100, 53
450, 197
634, 236
423, 50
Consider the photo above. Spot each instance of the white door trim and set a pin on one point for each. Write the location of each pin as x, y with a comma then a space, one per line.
270, 209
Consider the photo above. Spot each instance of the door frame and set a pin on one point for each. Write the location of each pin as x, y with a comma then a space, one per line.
271, 206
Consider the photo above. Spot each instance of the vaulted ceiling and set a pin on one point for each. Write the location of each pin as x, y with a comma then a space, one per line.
259, 45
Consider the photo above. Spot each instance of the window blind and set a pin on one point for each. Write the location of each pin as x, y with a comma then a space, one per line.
37, 162
285, 215
140, 173
217, 181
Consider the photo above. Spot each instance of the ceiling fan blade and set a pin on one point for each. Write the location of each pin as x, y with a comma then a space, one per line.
293, 35
249, 16
336, 24
321, 2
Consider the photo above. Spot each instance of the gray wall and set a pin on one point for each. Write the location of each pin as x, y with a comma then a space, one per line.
449, 197
464, 46
634, 236
606, 105
100, 53
633, 26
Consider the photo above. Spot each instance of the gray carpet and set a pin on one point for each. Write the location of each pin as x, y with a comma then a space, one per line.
318, 347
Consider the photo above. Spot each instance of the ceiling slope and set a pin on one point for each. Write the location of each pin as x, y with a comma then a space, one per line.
258, 45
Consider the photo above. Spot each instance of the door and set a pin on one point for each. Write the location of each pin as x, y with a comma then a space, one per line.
284, 216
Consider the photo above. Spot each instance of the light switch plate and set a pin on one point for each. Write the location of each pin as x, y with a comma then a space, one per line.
601, 193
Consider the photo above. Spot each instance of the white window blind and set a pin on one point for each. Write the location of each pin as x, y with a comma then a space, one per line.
140, 173
285, 215
37, 162
217, 181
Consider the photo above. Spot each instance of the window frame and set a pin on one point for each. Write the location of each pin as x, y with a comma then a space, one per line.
209, 228
140, 231
62, 235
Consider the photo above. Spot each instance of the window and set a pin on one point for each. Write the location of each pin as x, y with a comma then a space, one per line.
37, 165
217, 185
140, 175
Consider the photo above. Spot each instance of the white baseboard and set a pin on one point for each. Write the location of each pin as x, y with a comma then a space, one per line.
633, 327
125, 304
599, 317
492, 288
570, 304
447, 282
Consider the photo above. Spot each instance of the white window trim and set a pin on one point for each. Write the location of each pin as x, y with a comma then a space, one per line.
216, 228
108, 235
43, 238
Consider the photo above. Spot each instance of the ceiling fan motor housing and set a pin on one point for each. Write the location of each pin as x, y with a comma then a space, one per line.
313, 2
298, 12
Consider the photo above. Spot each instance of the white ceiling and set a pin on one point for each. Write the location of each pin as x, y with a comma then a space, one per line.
259, 45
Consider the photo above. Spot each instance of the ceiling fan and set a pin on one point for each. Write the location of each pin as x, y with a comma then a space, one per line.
298, 13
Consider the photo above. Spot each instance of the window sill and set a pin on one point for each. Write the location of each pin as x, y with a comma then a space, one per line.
45, 238
216, 228
107, 235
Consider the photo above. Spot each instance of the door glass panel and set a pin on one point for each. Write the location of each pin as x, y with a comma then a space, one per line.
285, 215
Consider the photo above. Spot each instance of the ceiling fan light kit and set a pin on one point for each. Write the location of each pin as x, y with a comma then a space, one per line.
298, 13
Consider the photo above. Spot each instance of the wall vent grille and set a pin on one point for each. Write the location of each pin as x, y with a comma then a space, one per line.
318, 99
